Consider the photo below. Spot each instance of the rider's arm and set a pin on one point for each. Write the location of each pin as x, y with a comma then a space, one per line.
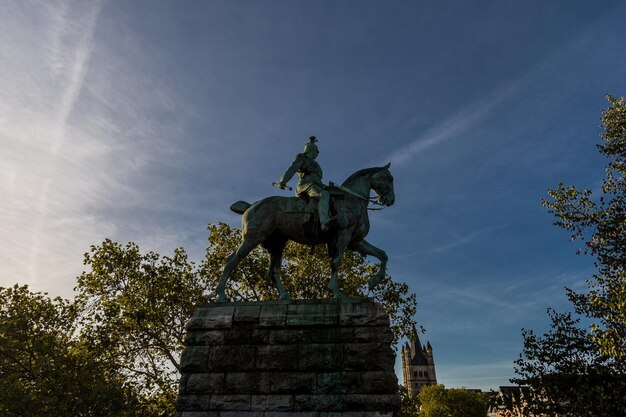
291, 171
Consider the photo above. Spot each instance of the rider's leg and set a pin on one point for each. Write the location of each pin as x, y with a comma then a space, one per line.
323, 210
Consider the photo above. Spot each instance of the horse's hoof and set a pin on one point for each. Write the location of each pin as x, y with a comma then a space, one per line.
221, 298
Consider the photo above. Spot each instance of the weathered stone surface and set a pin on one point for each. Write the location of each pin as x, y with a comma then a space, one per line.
277, 357
374, 402
200, 414
368, 356
320, 402
272, 402
247, 313
194, 359
379, 382
193, 402
362, 314
312, 314
338, 382
205, 383
204, 337
231, 402
324, 358
273, 315
211, 317
320, 357
292, 382
248, 383
377, 334
246, 336
231, 358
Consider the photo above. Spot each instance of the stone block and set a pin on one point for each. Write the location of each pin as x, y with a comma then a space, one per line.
271, 402
321, 402
273, 315
368, 357
292, 382
182, 384
194, 359
204, 337
231, 402
214, 317
277, 357
247, 313
362, 314
291, 336
371, 402
193, 402
373, 334
320, 357
247, 383
246, 336
231, 358
205, 383
313, 314
379, 382
333, 335
317, 358
338, 382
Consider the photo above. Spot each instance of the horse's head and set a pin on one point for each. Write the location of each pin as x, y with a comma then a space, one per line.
382, 184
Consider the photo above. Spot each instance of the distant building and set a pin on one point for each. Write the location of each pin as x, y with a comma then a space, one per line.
418, 365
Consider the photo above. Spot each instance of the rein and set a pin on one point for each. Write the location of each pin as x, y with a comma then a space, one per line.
369, 199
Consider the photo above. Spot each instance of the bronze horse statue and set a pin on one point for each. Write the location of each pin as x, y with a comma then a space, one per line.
272, 221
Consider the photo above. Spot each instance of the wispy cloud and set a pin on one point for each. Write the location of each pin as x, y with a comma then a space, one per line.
457, 240
454, 125
76, 137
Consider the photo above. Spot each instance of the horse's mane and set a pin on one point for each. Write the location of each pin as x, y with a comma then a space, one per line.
362, 173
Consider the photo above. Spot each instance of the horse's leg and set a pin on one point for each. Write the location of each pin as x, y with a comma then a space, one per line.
233, 260
367, 248
337, 257
275, 250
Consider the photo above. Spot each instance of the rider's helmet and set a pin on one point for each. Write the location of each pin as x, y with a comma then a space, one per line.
311, 147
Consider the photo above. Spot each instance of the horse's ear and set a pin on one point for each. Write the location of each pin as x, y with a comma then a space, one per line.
387, 166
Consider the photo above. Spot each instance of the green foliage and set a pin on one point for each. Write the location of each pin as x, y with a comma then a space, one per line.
45, 369
136, 309
437, 401
409, 404
572, 369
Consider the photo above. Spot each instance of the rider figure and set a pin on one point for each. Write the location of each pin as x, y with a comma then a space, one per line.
310, 180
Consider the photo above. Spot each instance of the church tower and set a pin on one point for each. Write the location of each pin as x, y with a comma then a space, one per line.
418, 365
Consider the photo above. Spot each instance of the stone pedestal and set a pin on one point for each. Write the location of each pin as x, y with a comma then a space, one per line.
321, 358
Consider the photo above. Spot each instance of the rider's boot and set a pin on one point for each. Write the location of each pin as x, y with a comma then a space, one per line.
326, 222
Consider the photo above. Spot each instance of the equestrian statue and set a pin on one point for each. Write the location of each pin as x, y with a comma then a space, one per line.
335, 215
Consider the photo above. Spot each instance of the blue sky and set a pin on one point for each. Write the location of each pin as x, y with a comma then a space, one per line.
143, 121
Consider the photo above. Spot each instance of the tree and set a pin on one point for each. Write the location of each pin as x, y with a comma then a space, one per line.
575, 369
437, 401
137, 304
45, 369
136, 308
409, 404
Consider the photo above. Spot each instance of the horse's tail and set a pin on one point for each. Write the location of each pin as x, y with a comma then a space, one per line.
240, 207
